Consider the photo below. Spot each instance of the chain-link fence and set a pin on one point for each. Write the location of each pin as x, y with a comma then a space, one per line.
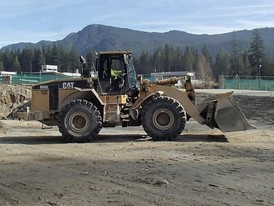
265, 83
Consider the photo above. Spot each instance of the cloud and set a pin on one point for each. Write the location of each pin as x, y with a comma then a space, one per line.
247, 24
32, 20
10, 9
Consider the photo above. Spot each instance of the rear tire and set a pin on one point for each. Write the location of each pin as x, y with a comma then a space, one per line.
163, 118
79, 121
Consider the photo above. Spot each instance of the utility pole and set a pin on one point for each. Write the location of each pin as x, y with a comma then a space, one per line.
259, 74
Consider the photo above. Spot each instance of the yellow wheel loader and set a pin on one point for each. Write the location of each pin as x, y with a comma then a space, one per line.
109, 94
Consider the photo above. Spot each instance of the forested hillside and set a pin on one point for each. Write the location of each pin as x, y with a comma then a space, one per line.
100, 37
241, 52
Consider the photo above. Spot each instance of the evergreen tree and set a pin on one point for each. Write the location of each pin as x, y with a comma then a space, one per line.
178, 60
90, 58
41, 57
16, 65
144, 63
236, 64
26, 59
246, 68
167, 58
54, 56
158, 60
188, 59
256, 52
73, 60
47, 52
172, 59
196, 60
62, 59
1, 65
8, 59
222, 64
36, 67
267, 67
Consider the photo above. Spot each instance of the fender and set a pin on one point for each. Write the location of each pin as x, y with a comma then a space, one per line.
88, 94
133, 112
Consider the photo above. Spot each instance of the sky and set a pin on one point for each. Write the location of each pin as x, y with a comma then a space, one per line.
35, 20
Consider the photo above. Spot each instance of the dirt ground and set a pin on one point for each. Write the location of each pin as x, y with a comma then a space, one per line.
123, 167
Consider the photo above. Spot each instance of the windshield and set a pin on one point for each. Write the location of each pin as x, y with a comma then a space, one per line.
131, 73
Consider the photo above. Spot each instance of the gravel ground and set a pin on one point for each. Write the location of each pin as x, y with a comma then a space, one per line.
124, 167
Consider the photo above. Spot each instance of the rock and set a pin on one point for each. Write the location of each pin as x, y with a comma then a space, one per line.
161, 183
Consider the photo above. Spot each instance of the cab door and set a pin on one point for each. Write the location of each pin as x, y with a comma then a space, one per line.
112, 74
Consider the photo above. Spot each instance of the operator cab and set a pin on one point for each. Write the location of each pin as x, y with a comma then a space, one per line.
116, 72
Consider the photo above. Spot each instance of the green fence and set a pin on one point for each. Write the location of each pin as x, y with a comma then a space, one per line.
226, 82
247, 83
34, 78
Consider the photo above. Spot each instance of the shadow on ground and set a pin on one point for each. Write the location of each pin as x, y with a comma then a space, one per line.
202, 138
33, 140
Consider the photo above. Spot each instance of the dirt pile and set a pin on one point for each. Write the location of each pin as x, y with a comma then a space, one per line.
11, 96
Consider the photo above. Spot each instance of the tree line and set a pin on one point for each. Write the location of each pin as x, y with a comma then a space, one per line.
31, 59
251, 62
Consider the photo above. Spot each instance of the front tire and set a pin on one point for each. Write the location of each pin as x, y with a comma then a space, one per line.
79, 121
163, 118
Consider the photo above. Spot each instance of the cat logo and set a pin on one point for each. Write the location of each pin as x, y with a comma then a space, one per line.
68, 85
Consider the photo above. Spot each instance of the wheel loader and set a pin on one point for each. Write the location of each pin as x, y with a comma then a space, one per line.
110, 94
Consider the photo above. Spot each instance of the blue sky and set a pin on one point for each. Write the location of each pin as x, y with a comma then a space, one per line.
35, 20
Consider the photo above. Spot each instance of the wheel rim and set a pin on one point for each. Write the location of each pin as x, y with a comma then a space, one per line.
163, 119
78, 122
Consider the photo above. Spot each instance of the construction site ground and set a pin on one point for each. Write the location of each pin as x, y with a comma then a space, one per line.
123, 167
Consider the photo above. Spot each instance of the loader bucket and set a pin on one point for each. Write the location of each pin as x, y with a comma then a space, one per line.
226, 115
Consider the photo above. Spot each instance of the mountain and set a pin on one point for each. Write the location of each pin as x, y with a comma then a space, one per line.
101, 37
